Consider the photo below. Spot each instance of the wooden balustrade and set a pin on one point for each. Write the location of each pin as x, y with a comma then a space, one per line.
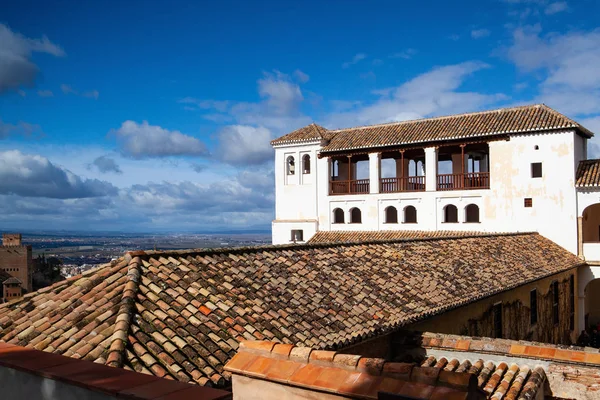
471, 180
406, 184
357, 186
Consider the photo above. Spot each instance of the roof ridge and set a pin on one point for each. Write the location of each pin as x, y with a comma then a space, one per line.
308, 245
118, 340
450, 116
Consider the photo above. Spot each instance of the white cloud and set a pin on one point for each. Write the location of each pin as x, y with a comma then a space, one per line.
45, 93
244, 145
301, 76
145, 141
220, 106
356, 59
556, 7
68, 89
21, 129
106, 164
432, 93
35, 176
405, 54
480, 33
16, 67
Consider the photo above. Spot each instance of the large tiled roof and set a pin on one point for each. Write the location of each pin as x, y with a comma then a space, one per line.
588, 174
182, 314
305, 134
374, 236
504, 121
361, 377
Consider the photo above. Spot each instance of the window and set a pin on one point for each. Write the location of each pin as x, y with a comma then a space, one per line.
291, 166
338, 216
572, 302
528, 202
391, 215
306, 164
355, 216
536, 170
533, 306
297, 235
410, 215
450, 213
472, 213
555, 302
497, 313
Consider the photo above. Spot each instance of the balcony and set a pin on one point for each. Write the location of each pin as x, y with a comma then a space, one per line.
406, 184
357, 186
466, 181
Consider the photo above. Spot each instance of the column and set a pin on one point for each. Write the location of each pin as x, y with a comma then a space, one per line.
580, 315
431, 160
374, 172
580, 237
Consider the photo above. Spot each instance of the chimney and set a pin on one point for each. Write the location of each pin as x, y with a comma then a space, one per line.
11, 239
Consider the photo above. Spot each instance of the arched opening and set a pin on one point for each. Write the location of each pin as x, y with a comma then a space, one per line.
355, 216
338, 216
291, 165
591, 224
410, 215
306, 164
592, 305
450, 213
391, 215
472, 213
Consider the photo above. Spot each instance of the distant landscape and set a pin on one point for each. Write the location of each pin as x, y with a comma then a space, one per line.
80, 252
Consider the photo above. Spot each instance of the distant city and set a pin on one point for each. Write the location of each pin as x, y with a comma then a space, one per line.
81, 252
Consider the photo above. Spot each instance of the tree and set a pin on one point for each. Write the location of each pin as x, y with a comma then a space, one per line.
46, 271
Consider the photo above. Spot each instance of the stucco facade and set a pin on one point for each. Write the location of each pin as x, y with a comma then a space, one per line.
16, 259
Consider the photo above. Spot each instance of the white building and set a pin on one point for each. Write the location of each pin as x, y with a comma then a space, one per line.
508, 170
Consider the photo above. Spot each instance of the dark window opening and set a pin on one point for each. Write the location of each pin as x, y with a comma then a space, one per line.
555, 302
497, 312
536, 170
410, 215
306, 164
338, 216
450, 213
572, 302
297, 235
391, 215
472, 213
291, 167
536, 147
533, 306
355, 216
528, 202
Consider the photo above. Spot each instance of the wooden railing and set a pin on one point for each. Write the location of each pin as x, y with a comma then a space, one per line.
358, 186
406, 184
471, 180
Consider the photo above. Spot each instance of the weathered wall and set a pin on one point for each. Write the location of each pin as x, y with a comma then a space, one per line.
245, 388
476, 319
17, 261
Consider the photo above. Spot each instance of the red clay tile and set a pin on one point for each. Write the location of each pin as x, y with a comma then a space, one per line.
331, 378
259, 366
444, 393
397, 370
322, 356
360, 384
282, 349
462, 344
391, 385
577, 356
547, 352
532, 350
306, 375
282, 370
204, 310
258, 345
592, 358
416, 390
240, 361
373, 366
562, 355
517, 349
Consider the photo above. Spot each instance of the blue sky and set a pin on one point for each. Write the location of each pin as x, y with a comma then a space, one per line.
156, 116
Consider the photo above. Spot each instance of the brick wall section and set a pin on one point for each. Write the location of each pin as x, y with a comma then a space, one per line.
17, 261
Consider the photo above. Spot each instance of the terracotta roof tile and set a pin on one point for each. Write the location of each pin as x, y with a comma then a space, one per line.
588, 174
305, 134
374, 236
485, 124
123, 315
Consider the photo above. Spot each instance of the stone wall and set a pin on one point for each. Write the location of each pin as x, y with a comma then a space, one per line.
477, 319
18, 262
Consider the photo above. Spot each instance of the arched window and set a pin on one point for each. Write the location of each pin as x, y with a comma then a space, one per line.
306, 164
472, 213
410, 215
338, 216
450, 213
355, 216
391, 215
291, 165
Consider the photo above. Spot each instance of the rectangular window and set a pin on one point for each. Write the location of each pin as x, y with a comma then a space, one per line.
528, 202
297, 235
533, 306
497, 313
555, 302
572, 302
536, 170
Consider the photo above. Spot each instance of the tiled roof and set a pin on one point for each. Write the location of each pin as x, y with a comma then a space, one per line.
504, 121
11, 280
361, 377
588, 173
181, 314
374, 236
308, 133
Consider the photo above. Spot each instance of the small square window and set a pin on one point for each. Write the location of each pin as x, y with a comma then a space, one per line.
536, 170
528, 202
297, 235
